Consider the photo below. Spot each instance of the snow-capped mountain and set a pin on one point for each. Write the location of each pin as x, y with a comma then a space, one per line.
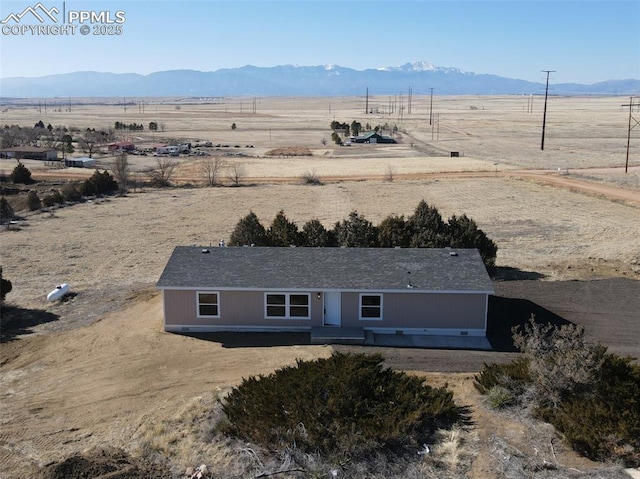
295, 80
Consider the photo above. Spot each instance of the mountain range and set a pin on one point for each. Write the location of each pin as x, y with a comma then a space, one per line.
293, 80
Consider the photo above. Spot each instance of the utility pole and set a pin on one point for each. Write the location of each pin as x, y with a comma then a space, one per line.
637, 122
366, 105
431, 108
544, 115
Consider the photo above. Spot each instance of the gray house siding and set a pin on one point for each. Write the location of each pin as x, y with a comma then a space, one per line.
420, 290
442, 310
421, 312
417, 313
238, 310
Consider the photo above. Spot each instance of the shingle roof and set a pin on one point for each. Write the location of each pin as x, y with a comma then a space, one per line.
369, 269
27, 149
369, 134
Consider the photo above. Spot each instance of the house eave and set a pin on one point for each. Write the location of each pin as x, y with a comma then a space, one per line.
413, 290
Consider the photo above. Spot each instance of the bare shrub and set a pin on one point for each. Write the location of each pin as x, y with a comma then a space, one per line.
71, 192
311, 178
120, 170
390, 173
212, 169
236, 173
163, 173
561, 360
451, 455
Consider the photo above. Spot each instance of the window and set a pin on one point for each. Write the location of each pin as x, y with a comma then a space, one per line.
208, 304
287, 305
276, 305
370, 306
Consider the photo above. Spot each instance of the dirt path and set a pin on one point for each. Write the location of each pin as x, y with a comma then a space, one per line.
97, 385
557, 179
120, 379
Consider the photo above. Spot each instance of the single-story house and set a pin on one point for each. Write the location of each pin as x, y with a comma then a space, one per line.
122, 146
416, 291
373, 137
30, 153
83, 162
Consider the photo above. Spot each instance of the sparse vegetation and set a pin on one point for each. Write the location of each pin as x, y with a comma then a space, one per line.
33, 201
311, 178
6, 211
345, 407
5, 286
163, 173
212, 168
508, 448
289, 151
390, 173
100, 183
236, 173
71, 192
587, 394
53, 198
121, 171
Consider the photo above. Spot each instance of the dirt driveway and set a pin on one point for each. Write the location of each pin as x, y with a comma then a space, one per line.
102, 384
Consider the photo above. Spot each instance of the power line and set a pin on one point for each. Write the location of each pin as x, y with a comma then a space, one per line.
431, 107
544, 116
637, 122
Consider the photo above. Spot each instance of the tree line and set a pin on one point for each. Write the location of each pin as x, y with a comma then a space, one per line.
425, 228
62, 138
118, 125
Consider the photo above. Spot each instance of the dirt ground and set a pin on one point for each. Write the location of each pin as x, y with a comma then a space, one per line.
96, 369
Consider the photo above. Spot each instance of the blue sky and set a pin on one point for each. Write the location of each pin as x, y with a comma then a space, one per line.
584, 41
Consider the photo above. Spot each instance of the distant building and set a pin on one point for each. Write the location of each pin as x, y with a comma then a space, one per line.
122, 146
84, 162
373, 137
30, 153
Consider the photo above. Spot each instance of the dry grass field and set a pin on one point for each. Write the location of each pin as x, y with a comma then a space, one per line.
98, 369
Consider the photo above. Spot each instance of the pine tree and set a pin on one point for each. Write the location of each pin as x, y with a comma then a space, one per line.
6, 211
392, 231
249, 232
426, 227
283, 232
314, 234
33, 201
356, 231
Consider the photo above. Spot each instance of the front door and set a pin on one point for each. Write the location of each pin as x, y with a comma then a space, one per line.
332, 308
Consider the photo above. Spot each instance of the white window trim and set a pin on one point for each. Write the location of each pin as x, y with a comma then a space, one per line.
360, 318
198, 303
287, 305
